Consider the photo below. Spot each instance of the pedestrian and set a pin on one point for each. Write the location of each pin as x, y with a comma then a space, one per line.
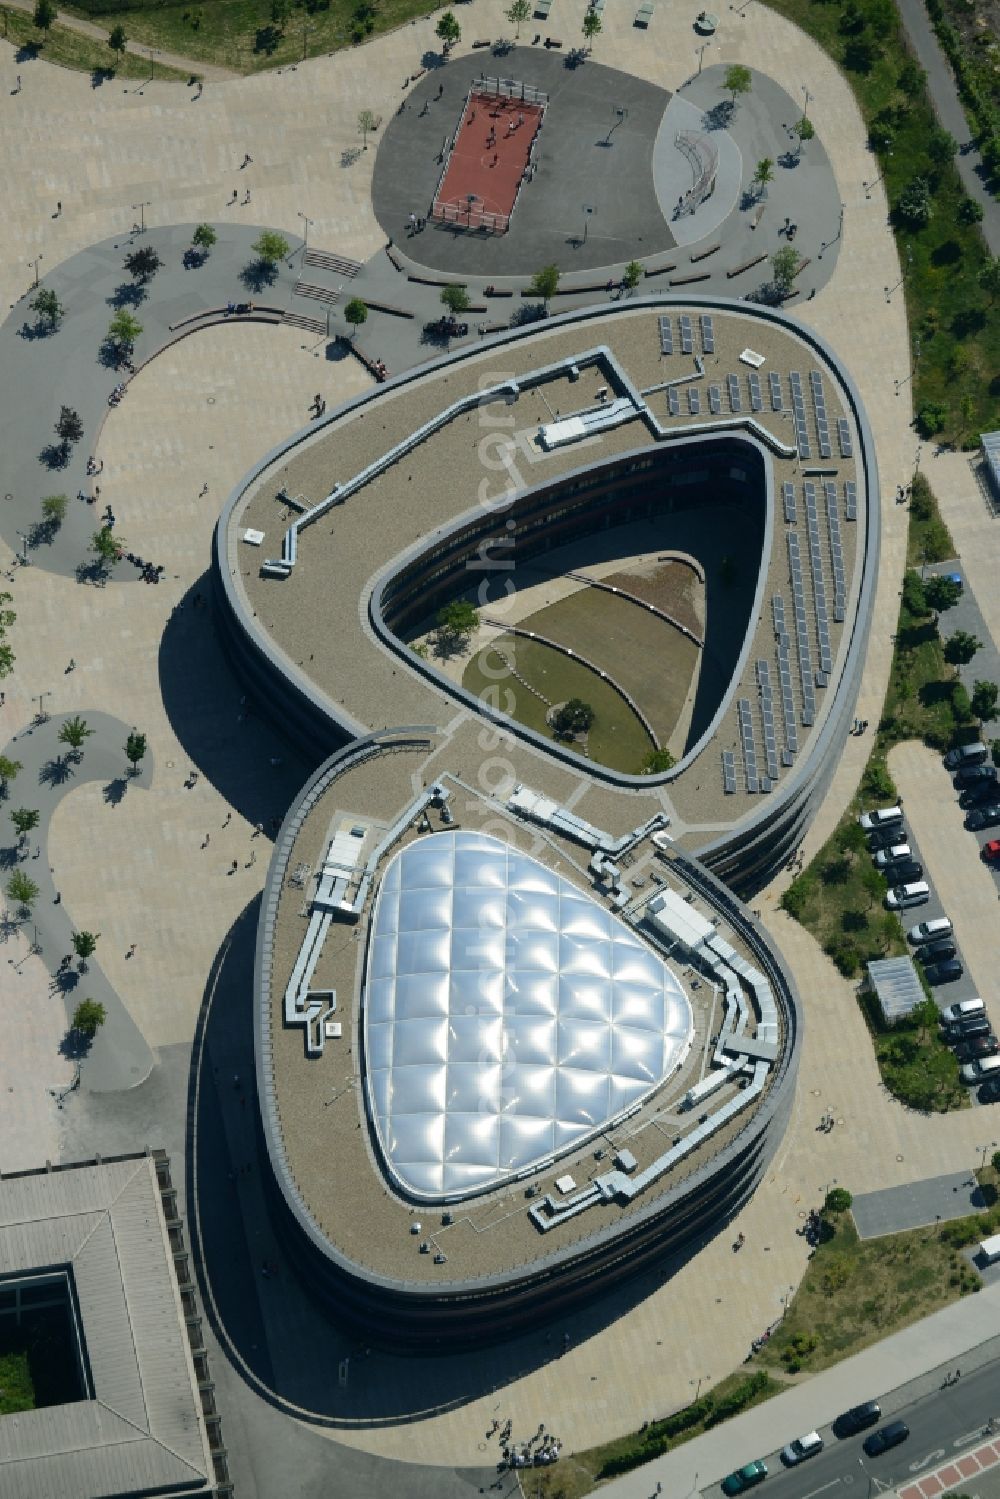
496, 157
207, 839
234, 866
258, 828
229, 818
131, 951
58, 209
252, 859
247, 198
71, 666
440, 90
203, 491
236, 193
18, 83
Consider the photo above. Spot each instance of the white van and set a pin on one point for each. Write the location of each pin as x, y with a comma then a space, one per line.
989, 1250
929, 931
801, 1448
882, 817
981, 1069
901, 896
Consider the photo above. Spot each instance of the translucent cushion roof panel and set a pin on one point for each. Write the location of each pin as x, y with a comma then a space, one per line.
508, 1017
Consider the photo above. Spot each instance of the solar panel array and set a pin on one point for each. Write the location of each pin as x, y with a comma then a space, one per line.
687, 336
801, 630
775, 382
785, 677
767, 714
788, 499
707, 334
666, 336
850, 500
729, 771
694, 400
836, 550
715, 400
819, 585
819, 401
733, 387
755, 397
749, 748
799, 408
673, 401
844, 437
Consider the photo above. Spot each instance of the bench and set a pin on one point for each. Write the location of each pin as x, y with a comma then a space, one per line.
644, 14
486, 43
389, 308
745, 265
697, 255
686, 280
394, 258
553, 41
542, 8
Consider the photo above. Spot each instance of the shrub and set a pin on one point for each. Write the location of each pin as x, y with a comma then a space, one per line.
838, 1200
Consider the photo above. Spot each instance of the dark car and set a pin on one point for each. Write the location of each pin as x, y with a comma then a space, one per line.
975, 1025
887, 1436
944, 973
979, 795
975, 775
857, 1418
965, 754
885, 838
983, 817
990, 1091
906, 872
933, 952
975, 1047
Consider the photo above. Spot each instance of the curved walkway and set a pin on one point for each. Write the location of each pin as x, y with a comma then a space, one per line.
119, 1057
137, 49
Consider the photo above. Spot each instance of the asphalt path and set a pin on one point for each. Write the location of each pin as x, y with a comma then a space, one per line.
942, 1425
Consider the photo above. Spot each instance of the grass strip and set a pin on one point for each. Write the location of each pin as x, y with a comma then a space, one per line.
69, 49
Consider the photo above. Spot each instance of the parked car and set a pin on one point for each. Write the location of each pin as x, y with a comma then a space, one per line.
976, 1025
745, 1478
977, 1046
962, 1009
935, 952
880, 817
896, 853
905, 872
902, 896
944, 973
887, 1436
801, 1448
975, 775
985, 1069
885, 837
990, 1092
983, 817
928, 931
991, 850
965, 754
978, 796
857, 1419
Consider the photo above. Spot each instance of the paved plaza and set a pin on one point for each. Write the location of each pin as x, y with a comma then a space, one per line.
897, 1209
152, 868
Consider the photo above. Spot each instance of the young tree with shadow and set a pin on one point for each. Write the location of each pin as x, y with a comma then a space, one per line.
22, 890
367, 125
984, 700
88, 1017
135, 750
84, 945
960, 648
123, 332
53, 513
591, 27
355, 314
44, 14
143, 264
763, 174
25, 820
545, 283
518, 13
118, 41
68, 428
737, 82
456, 299
106, 547
203, 238
784, 266
74, 733
49, 308
448, 31
8, 771
632, 275
805, 130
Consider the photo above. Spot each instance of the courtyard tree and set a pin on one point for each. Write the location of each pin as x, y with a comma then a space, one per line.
367, 123
763, 174
74, 733
455, 624
517, 14
914, 204
118, 41
656, 762
969, 212
960, 648
591, 27
737, 81
456, 299
785, 264
270, 247
25, 820
632, 275
989, 277
85, 945
448, 30
88, 1017
8, 770
355, 313
203, 238
545, 283
135, 750
68, 428
143, 264
572, 717
48, 306
44, 14
942, 592
805, 130
22, 890
106, 547
984, 700
123, 331
941, 147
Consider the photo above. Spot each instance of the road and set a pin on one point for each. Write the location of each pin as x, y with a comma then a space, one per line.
941, 1424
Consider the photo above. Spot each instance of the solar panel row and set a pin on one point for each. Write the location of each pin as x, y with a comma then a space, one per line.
819, 584
666, 336
819, 402
729, 771
799, 410
777, 404
836, 550
687, 336
756, 401
749, 748
788, 500
767, 715
707, 334
673, 401
844, 438
715, 400
735, 398
801, 630
694, 400
850, 500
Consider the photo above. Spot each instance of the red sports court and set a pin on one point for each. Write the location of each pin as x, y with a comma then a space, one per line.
490, 157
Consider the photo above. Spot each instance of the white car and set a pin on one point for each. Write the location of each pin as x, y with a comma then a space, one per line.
893, 855
901, 896
927, 931
801, 1448
881, 817
962, 1009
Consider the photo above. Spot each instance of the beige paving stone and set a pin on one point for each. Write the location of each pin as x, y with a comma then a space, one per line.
33, 1021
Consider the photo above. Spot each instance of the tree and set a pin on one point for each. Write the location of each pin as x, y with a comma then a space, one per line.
518, 12
455, 298
448, 30
545, 283
356, 313
931, 418
106, 547
969, 212
984, 700
914, 206
942, 592
204, 237
22, 889
48, 306
8, 770
573, 717
455, 624
280, 11
632, 275
367, 122
88, 1017
656, 762
838, 1200
941, 147
84, 945
960, 648
69, 427
805, 130
763, 175
914, 594
785, 264
124, 329
737, 81
74, 733
270, 247
989, 277
25, 820
54, 511
592, 25
118, 41
135, 749
143, 264
45, 14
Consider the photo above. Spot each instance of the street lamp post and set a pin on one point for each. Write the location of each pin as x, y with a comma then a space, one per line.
142, 214
621, 115
701, 54
913, 371
587, 211
906, 270
305, 238
35, 264
42, 715
809, 99
875, 180
305, 33
982, 1164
